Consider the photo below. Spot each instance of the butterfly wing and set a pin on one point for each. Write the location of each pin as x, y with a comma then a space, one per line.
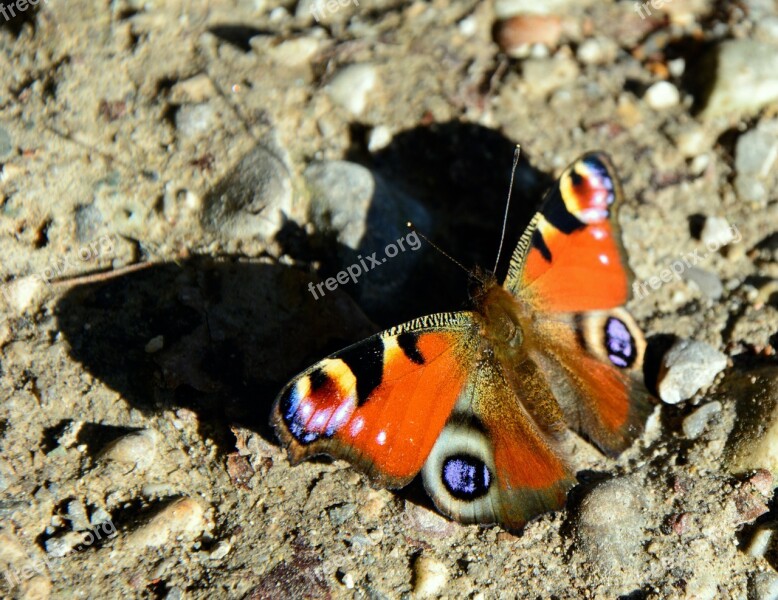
494, 462
571, 258
570, 269
430, 394
382, 402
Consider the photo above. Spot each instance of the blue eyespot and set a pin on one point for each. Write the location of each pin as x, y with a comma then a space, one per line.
466, 477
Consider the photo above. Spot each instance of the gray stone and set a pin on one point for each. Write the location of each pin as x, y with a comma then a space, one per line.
755, 155
6, 144
708, 283
745, 78
252, 200
194, 119
366, 215
89, 220
686, 367
763, 586
610, 528
695, 423
351, 87
341, 513
76, 514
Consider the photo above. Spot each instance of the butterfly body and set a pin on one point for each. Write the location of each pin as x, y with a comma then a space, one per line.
479, 402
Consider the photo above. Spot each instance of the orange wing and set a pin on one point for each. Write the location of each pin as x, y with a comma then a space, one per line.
571, 258
382, 402
570, 269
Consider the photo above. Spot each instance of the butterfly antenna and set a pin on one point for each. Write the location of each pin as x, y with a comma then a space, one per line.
412, 227
516, 154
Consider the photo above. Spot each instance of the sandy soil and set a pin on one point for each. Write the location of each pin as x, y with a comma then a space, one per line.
168, 192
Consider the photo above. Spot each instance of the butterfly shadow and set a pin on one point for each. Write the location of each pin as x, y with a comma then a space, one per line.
215, 336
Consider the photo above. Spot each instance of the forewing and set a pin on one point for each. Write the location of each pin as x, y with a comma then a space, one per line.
382, 402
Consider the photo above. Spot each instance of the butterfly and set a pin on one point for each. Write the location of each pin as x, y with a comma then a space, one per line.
480, 401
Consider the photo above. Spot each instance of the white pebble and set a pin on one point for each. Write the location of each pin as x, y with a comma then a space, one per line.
184, 516
717, 232
695, 423
379, 138
430, 576
688, 366
155, 344
351, 86
662, 95
136, 449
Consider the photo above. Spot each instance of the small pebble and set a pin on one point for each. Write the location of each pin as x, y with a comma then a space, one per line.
195, 119
196, 89
688, 366
744, 78
760, 541
596, 51
708, 283
76, 514
429, 577
379, 138
545, 75
184, 516
351, 87
64, 544
155, 344
137, 450
348, 581
221, 550
695, 423
755, 155
508, 8
610, 528
763, 585
6, 145
717, 232
516, 34
253, 199
662, 95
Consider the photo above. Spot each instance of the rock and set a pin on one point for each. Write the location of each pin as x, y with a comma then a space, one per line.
610, 526
744, 80
515, 34
545, 75
99, 516
695, 423
761, 540
351, 87
597, 51
379, 138
662, 95
26, 294
183, 517
755, 155
252, 200
136, 450
753, 442
6, 144
366, 216
194, 119
428, 523
341, 513
196, 89
708, 283
507, 8
221, 550
429, 577
76, 514
89, 220
687, 367
64, 544
763, 586
716, 232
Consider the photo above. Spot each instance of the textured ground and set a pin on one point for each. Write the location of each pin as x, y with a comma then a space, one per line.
191, 148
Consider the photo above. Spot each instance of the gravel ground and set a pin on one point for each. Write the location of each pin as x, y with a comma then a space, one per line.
174, 175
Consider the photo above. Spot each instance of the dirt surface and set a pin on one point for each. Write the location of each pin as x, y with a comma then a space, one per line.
171, 183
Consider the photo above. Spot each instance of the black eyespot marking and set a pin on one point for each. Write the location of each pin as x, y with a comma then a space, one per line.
294, 420
366, 362
466, 477
619, 343
408, 341
318, 379
555, 210
539, 243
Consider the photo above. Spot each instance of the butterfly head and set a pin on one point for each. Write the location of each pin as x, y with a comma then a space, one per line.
500, 313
